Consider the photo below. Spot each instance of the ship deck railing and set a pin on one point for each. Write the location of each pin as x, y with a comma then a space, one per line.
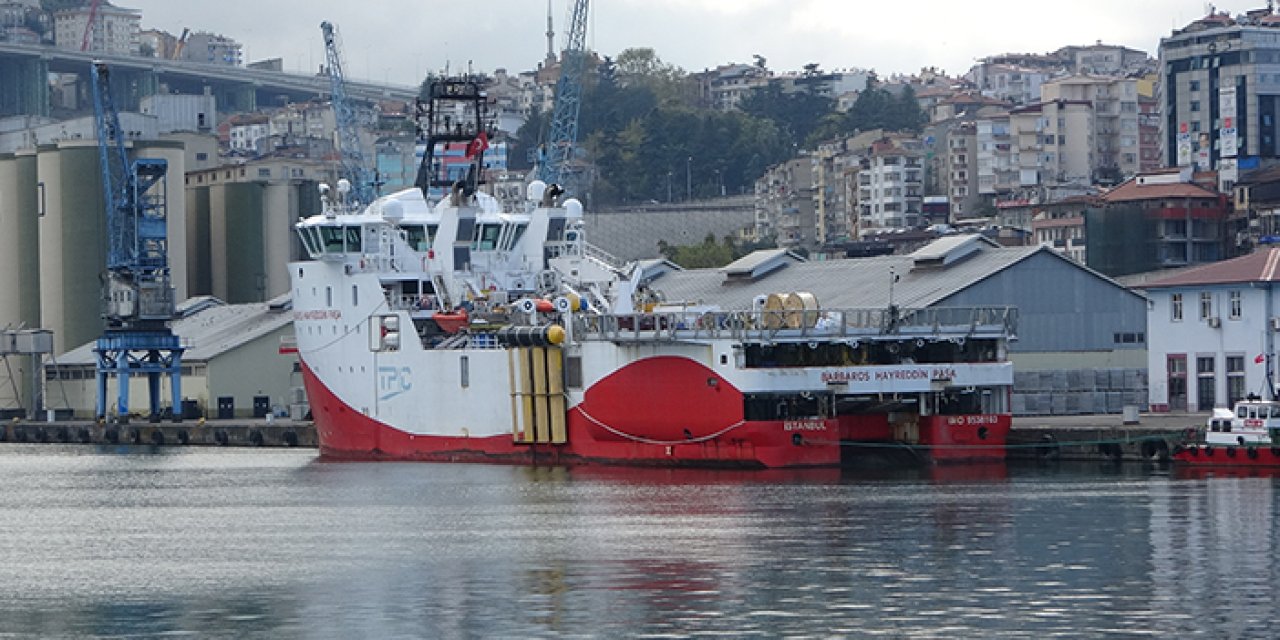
937, 323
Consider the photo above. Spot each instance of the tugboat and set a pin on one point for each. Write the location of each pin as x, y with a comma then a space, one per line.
449, 330
1246, 436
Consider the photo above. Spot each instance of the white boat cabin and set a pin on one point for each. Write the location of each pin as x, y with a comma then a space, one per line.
1252, 422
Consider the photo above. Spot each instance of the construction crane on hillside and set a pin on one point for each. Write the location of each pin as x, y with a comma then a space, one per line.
181, 44
363, 187
137, 296
554, 163
89, 26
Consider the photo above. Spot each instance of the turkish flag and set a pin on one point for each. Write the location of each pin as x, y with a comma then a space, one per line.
480, 143
1259, 359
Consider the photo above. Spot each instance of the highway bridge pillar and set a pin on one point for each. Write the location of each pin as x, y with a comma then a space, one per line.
132, 86
237, 98
26, 84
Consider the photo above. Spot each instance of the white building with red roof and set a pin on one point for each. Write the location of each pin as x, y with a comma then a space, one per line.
1212, 333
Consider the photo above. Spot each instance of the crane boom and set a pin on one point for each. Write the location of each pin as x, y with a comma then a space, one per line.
353, 163
89, 26
564, 121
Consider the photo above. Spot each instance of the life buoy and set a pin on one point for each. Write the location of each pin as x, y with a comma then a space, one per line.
1195, 451
1231, 452
1252, 452
1275, 452
1208, 451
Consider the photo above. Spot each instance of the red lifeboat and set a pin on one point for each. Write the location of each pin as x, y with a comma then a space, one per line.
451, 322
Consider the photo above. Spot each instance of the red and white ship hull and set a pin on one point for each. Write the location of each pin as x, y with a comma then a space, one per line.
644, 433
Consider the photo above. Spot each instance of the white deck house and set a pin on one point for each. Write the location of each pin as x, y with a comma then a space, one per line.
1212, 333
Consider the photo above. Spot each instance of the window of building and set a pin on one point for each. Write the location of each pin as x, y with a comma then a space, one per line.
1235, 379
1206, 305
1195, 105
1195, 85
1206, 394
1176, 366
1175, 303
262, 173
1236, 305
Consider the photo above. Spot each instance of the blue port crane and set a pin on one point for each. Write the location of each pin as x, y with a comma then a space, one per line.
555, 166
363, 187
137, 295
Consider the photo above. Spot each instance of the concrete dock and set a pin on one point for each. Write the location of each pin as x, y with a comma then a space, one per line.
1097, 436
1082, 437
243, 433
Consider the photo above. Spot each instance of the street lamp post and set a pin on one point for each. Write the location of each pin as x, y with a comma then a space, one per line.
720, 182
668, 187
688, 179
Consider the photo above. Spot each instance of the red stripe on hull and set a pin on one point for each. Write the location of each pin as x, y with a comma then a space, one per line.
350, 435
1229, 456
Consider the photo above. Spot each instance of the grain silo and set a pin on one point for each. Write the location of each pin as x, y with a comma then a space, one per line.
19, 242
73, 244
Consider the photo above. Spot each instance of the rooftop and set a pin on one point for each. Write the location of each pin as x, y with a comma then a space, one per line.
1262, 265
1131, 191
926, 278
209, 327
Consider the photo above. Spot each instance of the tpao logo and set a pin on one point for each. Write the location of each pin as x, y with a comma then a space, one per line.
393, 381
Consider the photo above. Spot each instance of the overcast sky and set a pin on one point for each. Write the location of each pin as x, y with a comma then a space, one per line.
399, 41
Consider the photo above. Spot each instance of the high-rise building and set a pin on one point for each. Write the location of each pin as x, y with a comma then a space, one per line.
1219, 92
1112, 141
105, 28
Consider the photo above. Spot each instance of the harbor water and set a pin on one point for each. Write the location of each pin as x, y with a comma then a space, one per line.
99, 542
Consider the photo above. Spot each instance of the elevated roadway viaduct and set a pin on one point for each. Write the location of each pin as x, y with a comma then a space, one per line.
24, 71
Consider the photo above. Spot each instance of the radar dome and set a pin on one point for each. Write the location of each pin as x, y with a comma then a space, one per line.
573, 208
392, 211
344, 185
536, 190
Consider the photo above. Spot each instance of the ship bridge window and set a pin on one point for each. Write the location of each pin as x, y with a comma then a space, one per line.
513, 235
486, 238
311, 240
420, 237
340, 239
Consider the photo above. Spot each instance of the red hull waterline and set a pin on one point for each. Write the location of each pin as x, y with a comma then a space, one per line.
1238, 457
347, 434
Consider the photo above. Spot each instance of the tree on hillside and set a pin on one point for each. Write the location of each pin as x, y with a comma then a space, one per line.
709, 254
797, 114
641, 67
876, 108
